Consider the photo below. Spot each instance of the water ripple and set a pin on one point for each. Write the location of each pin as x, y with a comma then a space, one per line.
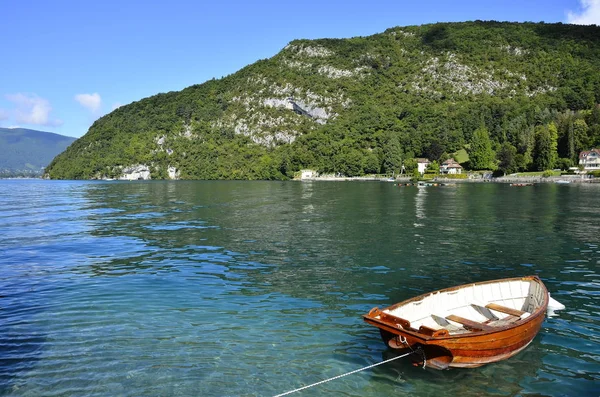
216, 289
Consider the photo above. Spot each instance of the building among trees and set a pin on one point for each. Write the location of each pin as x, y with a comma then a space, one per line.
590, 159
450, 166
422, 165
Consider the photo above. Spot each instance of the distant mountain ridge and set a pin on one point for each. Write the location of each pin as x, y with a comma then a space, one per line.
25, 152
365, 105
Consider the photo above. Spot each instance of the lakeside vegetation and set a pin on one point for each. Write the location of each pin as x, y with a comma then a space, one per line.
511, 97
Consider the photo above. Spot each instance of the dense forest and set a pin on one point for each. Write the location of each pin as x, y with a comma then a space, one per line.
497, 96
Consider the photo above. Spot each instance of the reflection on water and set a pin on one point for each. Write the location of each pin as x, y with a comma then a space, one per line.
255, 288
420, 203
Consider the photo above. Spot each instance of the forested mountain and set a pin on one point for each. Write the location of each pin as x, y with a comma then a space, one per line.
25, 152
519, 96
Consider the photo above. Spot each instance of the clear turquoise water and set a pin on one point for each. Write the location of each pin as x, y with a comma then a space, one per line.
257, 288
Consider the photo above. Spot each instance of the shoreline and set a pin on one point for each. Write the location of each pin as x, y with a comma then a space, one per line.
565, 179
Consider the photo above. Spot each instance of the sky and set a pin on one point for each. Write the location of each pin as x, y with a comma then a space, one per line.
66, 63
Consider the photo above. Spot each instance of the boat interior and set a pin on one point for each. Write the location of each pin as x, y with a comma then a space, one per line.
477, 307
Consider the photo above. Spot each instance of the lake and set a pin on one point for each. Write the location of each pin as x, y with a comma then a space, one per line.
256, 288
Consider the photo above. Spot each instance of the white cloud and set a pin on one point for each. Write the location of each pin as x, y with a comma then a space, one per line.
32, 109
590, 14
93, 102
116, 105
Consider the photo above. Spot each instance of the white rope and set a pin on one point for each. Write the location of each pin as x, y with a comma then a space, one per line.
341, 376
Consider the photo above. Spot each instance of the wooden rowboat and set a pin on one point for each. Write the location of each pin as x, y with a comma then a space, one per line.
465, 326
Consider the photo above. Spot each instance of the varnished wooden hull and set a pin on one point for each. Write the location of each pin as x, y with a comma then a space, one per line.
466, 350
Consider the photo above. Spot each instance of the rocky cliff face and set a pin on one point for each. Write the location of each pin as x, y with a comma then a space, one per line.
135, 173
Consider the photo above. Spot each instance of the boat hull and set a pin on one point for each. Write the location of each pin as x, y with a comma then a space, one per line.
466, 350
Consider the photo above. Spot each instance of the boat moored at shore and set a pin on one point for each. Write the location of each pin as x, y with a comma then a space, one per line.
465, 326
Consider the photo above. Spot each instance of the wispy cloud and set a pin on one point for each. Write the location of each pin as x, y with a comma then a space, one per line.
3, 114
116, 105
32, 109
589, 15
92, 102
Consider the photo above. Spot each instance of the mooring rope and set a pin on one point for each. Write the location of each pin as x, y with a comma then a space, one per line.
419, 349
342, 375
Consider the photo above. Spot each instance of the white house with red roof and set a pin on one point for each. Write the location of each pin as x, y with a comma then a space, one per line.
450, 166
590, 159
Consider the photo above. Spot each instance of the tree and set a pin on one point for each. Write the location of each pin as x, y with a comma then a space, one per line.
523, 161
594, 127
526, 140
580, 137
571, 141
416, 175
435, 150
481, 155
411, 165
543, 157
392, 154
507, 157
543, 116
433, 168
564, 163
553, 131
349, 162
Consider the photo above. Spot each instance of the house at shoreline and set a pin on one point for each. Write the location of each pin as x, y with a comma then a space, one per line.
590, 159
422, 165
308, 174
450, 166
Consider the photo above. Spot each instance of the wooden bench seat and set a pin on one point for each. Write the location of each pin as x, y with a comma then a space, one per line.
506, 310
503, 322
469, 323
445, 324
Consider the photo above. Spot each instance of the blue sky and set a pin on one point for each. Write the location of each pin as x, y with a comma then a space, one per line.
66, 63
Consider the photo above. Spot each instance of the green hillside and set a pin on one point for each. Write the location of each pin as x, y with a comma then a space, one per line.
515, 96
25, 152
